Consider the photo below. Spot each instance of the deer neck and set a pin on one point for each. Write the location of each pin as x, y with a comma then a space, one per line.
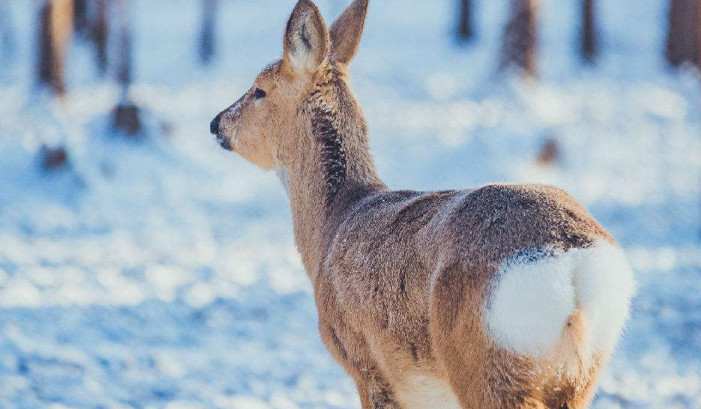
324, 181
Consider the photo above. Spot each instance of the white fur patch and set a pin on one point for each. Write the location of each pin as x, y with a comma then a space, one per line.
535, 295
605, 286
531, 304
421, 391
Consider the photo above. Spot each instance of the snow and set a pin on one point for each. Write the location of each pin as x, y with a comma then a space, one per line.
163, 274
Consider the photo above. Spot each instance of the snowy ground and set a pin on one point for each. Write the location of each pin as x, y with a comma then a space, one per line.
163, 275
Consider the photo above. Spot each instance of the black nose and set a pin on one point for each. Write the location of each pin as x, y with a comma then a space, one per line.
214, 125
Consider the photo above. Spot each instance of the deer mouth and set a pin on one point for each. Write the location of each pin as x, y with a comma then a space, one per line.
223, 141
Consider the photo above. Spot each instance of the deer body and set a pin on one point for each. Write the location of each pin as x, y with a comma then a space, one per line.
503, 296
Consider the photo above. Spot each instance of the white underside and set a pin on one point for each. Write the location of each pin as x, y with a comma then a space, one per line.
532, 301
421, 391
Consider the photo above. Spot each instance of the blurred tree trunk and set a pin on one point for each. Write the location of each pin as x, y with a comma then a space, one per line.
465, 27
53, 158
124, 62
684, 32
207, 35
80, 16
549, 152
99, 31
588, 34
520, 39
55, 28
126, 115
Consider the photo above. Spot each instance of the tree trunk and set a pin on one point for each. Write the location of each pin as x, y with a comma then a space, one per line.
99, 33
55, 27
465, 28
126, 115
588, 34
698, 37
53, 158
549, 152
684, 32
124, 63
207, 35
80, 16
520, 38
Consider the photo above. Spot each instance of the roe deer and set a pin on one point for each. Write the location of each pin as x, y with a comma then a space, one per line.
502, 296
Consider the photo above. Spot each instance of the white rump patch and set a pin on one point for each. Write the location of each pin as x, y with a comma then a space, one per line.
605, 286
538, 291
421, 391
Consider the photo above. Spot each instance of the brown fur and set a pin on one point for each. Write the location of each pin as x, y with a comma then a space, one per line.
399, 277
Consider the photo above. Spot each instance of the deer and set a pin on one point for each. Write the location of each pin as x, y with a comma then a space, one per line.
499, 296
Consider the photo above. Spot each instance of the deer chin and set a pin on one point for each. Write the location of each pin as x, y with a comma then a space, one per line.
224, 142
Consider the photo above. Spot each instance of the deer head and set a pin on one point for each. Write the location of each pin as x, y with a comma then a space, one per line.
268, 124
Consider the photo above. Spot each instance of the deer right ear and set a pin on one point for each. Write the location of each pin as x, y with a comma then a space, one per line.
307, 41
347, 31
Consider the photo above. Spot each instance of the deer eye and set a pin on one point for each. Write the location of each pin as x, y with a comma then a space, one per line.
259, 93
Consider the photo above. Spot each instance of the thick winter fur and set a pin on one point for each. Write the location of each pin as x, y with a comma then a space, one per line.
503, 296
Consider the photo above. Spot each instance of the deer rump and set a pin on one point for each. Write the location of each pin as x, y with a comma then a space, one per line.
511, 290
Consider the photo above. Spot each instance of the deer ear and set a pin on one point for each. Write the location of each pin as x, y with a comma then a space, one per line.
347, 31
306, 39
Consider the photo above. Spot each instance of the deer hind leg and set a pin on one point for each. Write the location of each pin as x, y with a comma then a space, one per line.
457, 335
480, 376
535, 333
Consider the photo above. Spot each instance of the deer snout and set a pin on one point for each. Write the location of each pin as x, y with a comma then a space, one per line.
215, 129
214, 125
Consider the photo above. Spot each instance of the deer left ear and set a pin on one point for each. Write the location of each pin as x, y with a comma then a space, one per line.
307, 41
347, 31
